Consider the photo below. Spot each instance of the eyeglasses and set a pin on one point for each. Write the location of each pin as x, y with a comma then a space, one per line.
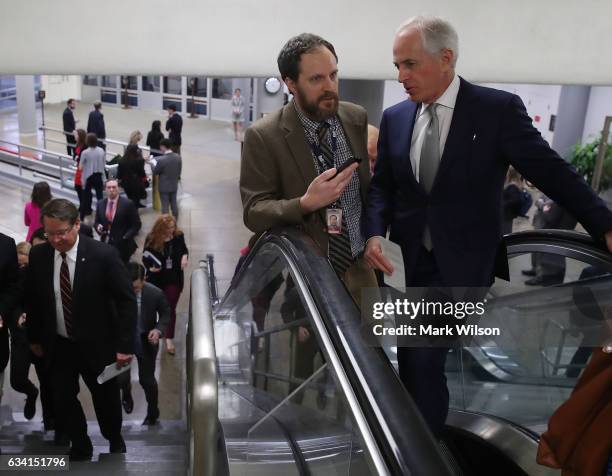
59, 233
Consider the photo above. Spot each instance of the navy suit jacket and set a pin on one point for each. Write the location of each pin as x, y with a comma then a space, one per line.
95, 124
104, 303
175, 126
490, 130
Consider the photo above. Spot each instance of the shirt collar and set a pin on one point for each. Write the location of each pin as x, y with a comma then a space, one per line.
169, 151
449, 97
71, 253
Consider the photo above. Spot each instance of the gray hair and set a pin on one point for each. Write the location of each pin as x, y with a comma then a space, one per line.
436, 34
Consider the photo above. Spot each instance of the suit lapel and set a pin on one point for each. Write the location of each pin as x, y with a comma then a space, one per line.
461, 134
48, 270
354, 135
298, 145
103, 205
404, 138
81, 262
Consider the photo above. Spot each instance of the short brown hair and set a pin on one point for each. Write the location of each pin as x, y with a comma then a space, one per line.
290, 56
60, 209
92, 140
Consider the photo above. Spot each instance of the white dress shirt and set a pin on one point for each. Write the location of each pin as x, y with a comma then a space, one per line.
445, 116
71, 257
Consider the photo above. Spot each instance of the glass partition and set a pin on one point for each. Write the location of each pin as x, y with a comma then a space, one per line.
308, 422
554, 310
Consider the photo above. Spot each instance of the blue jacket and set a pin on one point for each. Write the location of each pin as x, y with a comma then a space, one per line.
490, 130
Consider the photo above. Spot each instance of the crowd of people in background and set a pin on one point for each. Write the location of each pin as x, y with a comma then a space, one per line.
127, 306
88, 148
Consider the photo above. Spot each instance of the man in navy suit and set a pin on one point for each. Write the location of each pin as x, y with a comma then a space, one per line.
438, 182
69, 124
95, 124
174, 126
81, 312
117, 221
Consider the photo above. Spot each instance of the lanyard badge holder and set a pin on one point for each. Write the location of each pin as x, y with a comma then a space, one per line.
333, 214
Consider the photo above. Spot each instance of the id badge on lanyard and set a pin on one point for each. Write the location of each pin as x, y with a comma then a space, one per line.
334, 220
169, 258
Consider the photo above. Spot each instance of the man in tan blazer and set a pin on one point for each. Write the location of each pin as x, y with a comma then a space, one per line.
290, 159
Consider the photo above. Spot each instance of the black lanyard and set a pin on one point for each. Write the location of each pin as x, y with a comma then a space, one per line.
318, 153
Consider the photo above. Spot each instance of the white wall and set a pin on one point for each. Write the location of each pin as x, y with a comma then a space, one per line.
541, 101
90, 93
526, 41
60, 88
600, 106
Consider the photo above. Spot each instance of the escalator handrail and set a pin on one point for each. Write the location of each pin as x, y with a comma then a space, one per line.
563, 238
202, 391
397, 426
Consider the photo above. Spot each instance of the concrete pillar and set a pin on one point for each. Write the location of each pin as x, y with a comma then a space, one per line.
366, 93
26, 104
571, 115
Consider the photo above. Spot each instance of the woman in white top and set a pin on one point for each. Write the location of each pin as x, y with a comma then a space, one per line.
92, 165
237, 113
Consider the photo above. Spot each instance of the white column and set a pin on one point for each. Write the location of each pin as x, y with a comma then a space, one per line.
26, 104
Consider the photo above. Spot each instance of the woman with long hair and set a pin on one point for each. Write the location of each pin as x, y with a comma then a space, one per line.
154, 137
132, 176
166, 256
81, 145
41, 194
512, 199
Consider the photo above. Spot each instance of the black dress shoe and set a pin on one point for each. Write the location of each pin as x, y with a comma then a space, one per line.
60, 439
29, 410
529, 272
117, 445
49, 425
544, 281
79, 455
128, 402
150, 421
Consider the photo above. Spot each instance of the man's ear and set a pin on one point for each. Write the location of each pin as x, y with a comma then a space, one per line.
447, 57
291, 85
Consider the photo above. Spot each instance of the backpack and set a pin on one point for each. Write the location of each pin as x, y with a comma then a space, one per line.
526, 202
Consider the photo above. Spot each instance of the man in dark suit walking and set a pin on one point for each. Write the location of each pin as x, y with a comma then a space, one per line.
174, 126
117, 221
9, 294
69, 124
168, 168
438, 183
151, 323
81, 317
95, 124
288, 173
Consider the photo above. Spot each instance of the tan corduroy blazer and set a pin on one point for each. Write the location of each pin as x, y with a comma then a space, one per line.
277, 167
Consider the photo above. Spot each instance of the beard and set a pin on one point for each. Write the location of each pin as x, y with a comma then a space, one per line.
312, 108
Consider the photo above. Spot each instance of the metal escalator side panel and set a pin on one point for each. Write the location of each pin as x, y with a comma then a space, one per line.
384, 413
